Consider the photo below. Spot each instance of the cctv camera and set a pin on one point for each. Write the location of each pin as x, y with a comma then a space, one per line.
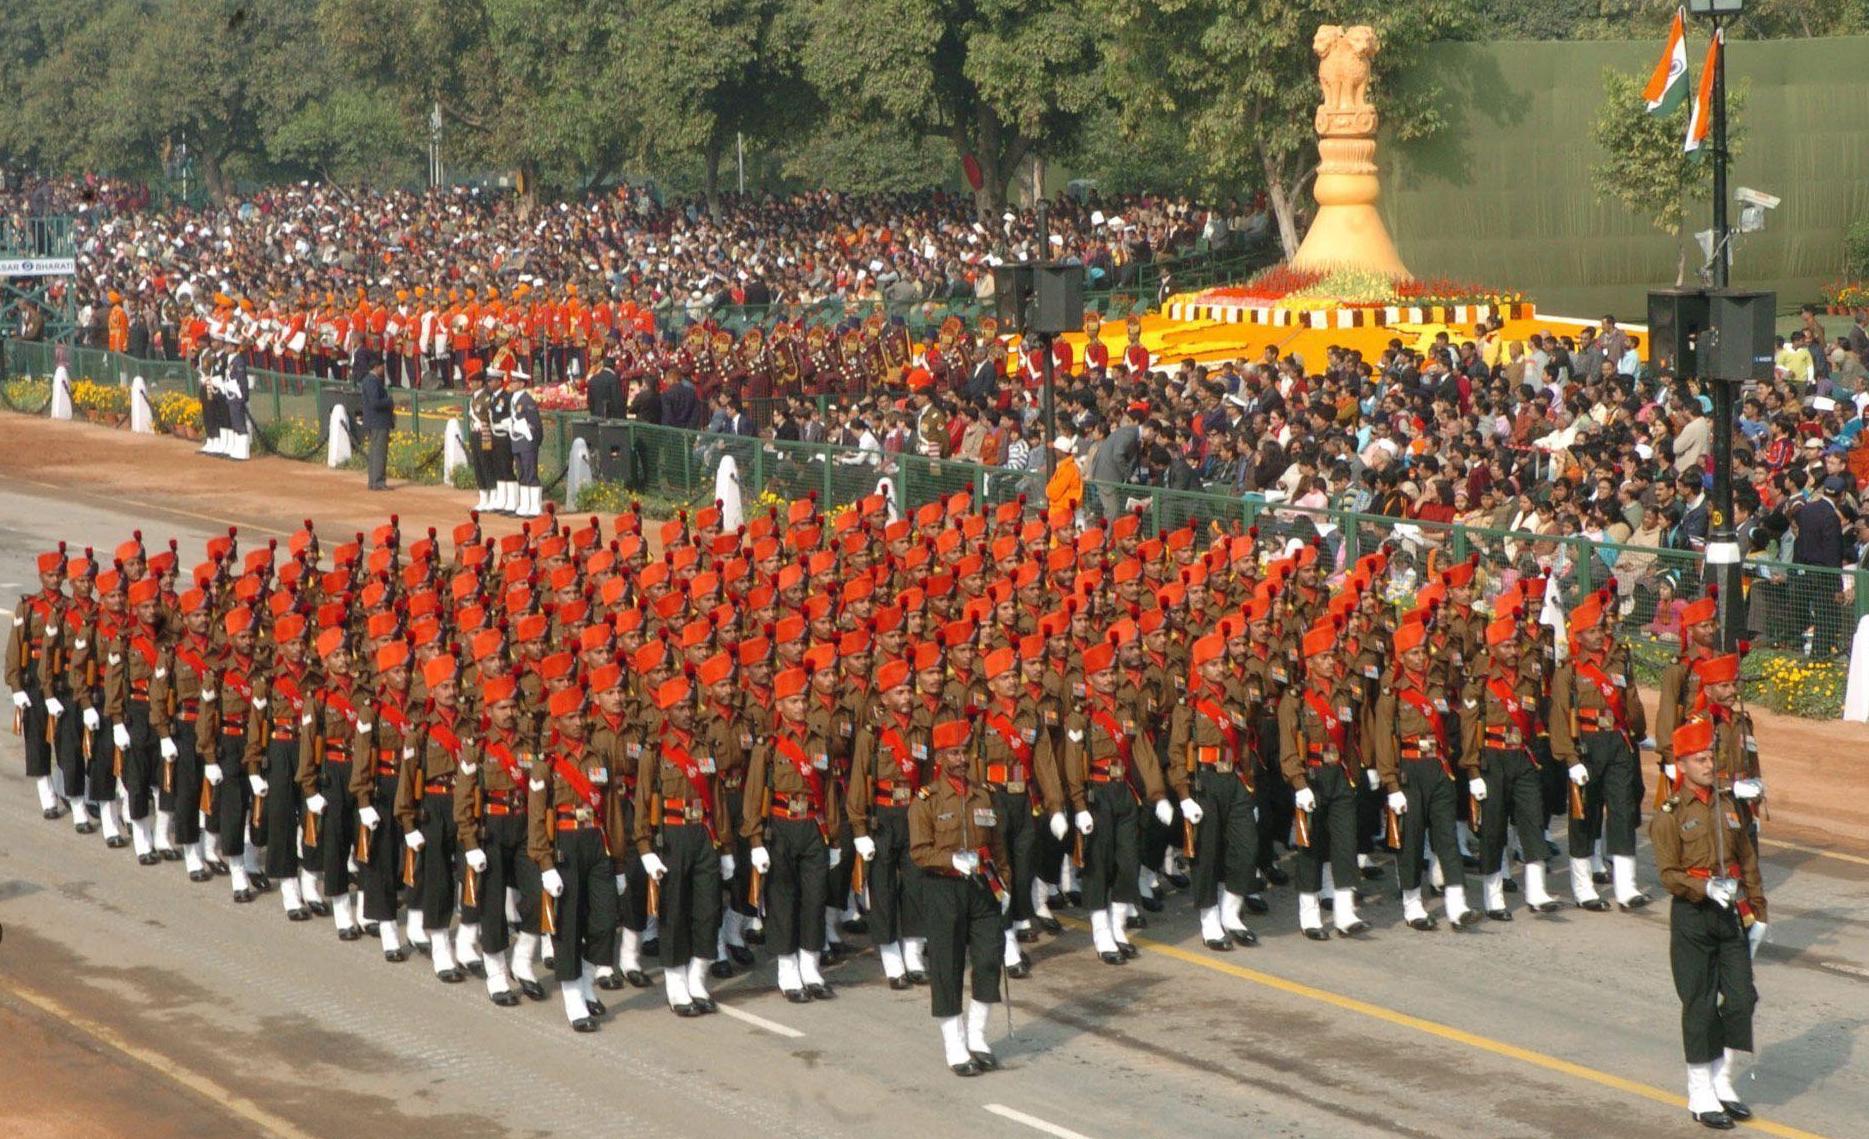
1753, 197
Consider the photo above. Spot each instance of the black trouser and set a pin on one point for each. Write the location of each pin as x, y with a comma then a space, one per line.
837, 878
1553, 783
486, 471
1112, 851
794, 889
440, 863
33, 733
337, 827
742, 850
139, 763
101, 771
1021, 829
1514, 794
1814, 606
1368, 817
894, 879
233, 799
689, 918
1153, 837
526, 465
183, 798
382, 877
1226, 841
279, 823
633, 906
503, 839
1333, 831
68, 747
1610, 798
1713, 977
1432, 816
963, 924
587, 910
1272, 797
376, 455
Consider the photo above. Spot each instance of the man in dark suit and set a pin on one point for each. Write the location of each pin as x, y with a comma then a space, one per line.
606, 392
681, 405
379, 416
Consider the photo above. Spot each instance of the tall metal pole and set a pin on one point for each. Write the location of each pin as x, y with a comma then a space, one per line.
1723, 553
1047, 403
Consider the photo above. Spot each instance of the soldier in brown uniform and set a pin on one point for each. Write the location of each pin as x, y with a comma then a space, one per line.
1677, 689
91, 646
1498, 724
616, 735
1051, 852
1597, 723
1109, 768
386, 743
1736, 748
724, 722
131, 664
890, 765
55, 680
1266, 675
956, 840
1707, 860
175, 695
279, 703
34, 637
678, 835
329, 746
490, 816
1017, 766
575, 834
425, 804
1414, 732
1207, 767
221, 741
789, 819
1320, 757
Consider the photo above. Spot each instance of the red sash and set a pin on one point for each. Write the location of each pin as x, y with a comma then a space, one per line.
1420, 703
697, 781
145, 648
1514, 712
1332, 727
801, 763
1612, 696
1015, 742
450, 743
1108, 723
193, 660
238, 682
289, 688
581, 785
508, 762
1220, 720
343, 705
394, 717
905, 758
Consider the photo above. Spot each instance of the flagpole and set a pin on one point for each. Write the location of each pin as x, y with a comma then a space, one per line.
1722, 257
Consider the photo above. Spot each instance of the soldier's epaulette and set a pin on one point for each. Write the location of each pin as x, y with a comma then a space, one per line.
1672, 801
923, 793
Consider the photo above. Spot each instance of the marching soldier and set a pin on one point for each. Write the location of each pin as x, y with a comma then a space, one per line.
425, 813
92, 645
1736, 748
956, 840
33, 639
1016, 765
490, 813
1678, 688
133, 661
181, 682
1320, 756
280, 696
1207, 768
221, 740
1499, 712
1707, 861
328, 749
888, 769
616, 737
1597, 721
386, 742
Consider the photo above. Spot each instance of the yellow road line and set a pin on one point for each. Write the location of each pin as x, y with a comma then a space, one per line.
1443, 1031
265, 1121
1817, 851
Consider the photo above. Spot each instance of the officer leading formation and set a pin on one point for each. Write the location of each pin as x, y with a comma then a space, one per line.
584, 751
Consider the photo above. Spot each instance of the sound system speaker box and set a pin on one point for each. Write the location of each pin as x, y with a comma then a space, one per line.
1676, 317
1060, 307
1740, 342
1012, 296
610, 450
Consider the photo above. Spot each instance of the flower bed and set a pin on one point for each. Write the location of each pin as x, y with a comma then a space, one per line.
1346, 298
108, 404
1843, 297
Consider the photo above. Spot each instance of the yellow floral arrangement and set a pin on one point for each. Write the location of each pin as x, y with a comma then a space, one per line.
178, 412
99, 401
1800, 686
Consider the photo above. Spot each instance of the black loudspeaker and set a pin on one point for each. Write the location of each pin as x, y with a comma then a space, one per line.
1676, 317
349, 396
1060, 305
1739, 344
1012, 296
610, 451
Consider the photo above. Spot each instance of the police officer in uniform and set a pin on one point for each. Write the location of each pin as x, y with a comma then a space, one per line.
527, 429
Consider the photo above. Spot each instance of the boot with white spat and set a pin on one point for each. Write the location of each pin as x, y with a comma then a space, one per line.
1495, 889
1703, 1103
675, 985
1536, 896
893, 971
242, 883
1327, 893
467, 947
833, 943
211, 850
1723, 1070
954, 1048
163, 835
499, 985
393, 952
1414, 912
1582, 889
813, 979
341, 917
80, 815
789, 982
110, 821
1103, 939
1622, 870
1231, 921
912, 949
1120, 913
1211, 932
977, 1012
1437, 875
629, 957
1041, 903
577, 1009
418, 933
293, 899
1311, 916
1343, 915
697, 984
446, 967
1012, 958
196, 865
310, 890
525, 955
1457, 909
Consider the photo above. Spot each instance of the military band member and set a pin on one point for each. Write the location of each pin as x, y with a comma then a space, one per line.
1707, 861
956, 841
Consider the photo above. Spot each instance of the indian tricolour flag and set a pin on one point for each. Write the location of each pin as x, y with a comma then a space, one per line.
1667, 86
1700, 119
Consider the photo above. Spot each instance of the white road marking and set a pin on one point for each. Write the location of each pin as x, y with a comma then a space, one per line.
771, 1026
1033, 1121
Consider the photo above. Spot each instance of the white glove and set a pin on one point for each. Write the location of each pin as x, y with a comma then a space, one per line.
1667, 770
1306, 800
369, 817
1756, 936
1748, 788
837, 856
1164, 812
258, 783
414, 840
1374, 780
1398, 802
762, 861
477, 861
168, 748
54, 707
654, 867
866, 847
553, 881
1059, 826
727, 867
90, 720
1084, 822
966, 861
120, 735
1477, 788
22, 701
1579, 774
315, 804
212, 773
1722, 891
622, 884
522, 429
1191, 811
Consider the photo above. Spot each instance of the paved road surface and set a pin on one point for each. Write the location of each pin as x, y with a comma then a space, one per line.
132, 1001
